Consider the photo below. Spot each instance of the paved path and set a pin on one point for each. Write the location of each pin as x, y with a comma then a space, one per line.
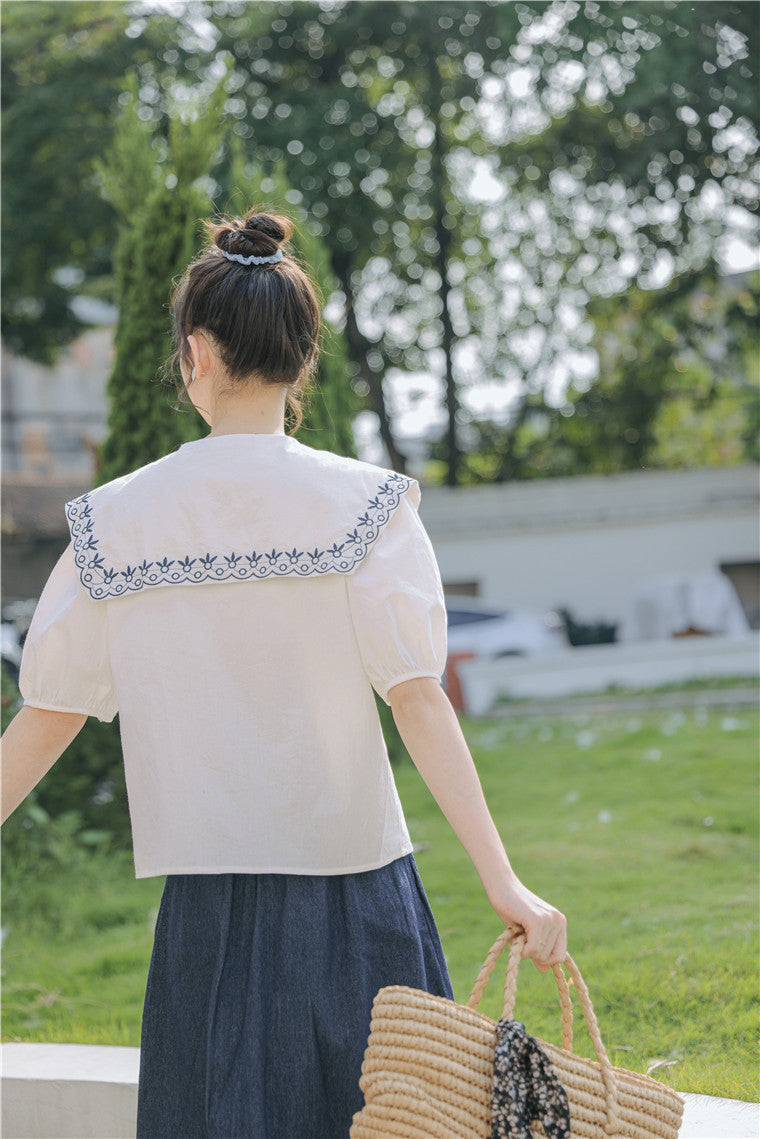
745, 697
707, 1117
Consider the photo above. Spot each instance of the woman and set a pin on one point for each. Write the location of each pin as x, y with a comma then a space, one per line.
236, 602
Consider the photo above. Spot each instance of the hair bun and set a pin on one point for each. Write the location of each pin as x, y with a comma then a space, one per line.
258, 235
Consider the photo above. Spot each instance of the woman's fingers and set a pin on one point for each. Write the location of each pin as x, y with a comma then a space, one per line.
546, 939
545, 927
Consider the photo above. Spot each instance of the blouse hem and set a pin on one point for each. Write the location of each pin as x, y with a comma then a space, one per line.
414, 674
44, 706
264, 869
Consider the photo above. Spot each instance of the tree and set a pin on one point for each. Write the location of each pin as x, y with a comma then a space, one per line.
375, 101
674, 389
676, 386
714, 419
645, 155
155, 186
331, 403
661, 98
617, 142
159, 188
388, 107
59, 94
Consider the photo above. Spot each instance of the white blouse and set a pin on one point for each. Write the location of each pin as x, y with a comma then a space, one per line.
236, 602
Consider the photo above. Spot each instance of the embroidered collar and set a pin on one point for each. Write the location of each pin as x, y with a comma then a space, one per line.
115, 556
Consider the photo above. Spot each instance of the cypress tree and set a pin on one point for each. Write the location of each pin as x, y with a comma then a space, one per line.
331, 404
154, 187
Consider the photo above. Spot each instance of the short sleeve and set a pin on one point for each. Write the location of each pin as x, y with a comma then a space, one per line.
397, 604
65, 665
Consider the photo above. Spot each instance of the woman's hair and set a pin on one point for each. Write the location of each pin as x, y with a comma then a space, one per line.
264, 319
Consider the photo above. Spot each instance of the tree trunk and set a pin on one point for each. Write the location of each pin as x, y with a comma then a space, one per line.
507, 468
359, 346
443, 238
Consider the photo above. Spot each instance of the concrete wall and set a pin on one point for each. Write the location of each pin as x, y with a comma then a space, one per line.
588, 543
69, 1091
595, 668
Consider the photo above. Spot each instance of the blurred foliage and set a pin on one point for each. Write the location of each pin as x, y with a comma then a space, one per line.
367, 106
677, 387
384, 112
668, 105
80, 803
677, 384
480, 172
160, 191
713, 417
60, 91
330, 404
156, 193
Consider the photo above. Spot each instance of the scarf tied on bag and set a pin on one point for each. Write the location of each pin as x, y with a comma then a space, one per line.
525, 1087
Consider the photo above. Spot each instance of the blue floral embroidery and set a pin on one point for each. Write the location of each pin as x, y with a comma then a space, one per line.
102, 581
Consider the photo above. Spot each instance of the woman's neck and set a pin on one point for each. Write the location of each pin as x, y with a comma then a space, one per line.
258, 410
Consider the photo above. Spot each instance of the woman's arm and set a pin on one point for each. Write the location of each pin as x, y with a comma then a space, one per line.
432, 735
32, 742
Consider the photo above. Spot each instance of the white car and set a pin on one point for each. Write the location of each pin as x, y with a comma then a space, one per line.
492, 632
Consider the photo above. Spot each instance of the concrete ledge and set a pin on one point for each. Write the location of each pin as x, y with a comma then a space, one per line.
594, 668
83, 1091
709, 1117
69, 1091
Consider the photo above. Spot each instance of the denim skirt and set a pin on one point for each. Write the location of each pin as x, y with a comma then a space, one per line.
259, 994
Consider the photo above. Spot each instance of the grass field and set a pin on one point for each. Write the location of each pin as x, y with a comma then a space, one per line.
642, 828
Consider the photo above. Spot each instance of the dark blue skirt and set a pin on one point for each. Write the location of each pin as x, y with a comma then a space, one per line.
258, 1002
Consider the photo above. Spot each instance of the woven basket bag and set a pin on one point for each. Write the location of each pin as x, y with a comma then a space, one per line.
428, 1067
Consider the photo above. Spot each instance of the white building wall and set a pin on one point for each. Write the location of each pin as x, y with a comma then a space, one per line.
595, 573
53, 418
588, 543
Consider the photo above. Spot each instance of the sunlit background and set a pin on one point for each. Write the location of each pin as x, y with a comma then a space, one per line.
535, 229
534, 225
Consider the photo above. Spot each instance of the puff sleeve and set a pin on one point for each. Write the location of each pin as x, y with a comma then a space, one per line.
397, 605
65, 665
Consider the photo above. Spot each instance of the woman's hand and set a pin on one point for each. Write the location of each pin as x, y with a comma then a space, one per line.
545, 927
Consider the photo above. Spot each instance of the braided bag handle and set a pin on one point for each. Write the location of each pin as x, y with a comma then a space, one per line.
516, 936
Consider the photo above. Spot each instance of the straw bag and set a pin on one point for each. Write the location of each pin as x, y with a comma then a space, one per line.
428, 1067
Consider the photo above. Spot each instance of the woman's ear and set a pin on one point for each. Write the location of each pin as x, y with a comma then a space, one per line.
194, 344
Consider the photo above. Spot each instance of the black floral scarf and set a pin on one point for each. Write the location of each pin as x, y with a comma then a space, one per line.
525, 1087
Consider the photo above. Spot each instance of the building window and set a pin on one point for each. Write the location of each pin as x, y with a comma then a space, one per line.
461, 588
745, 578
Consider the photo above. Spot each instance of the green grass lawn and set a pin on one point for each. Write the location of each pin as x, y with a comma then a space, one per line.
642, 828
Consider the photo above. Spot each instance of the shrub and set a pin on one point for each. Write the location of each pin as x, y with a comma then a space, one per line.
81, 801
